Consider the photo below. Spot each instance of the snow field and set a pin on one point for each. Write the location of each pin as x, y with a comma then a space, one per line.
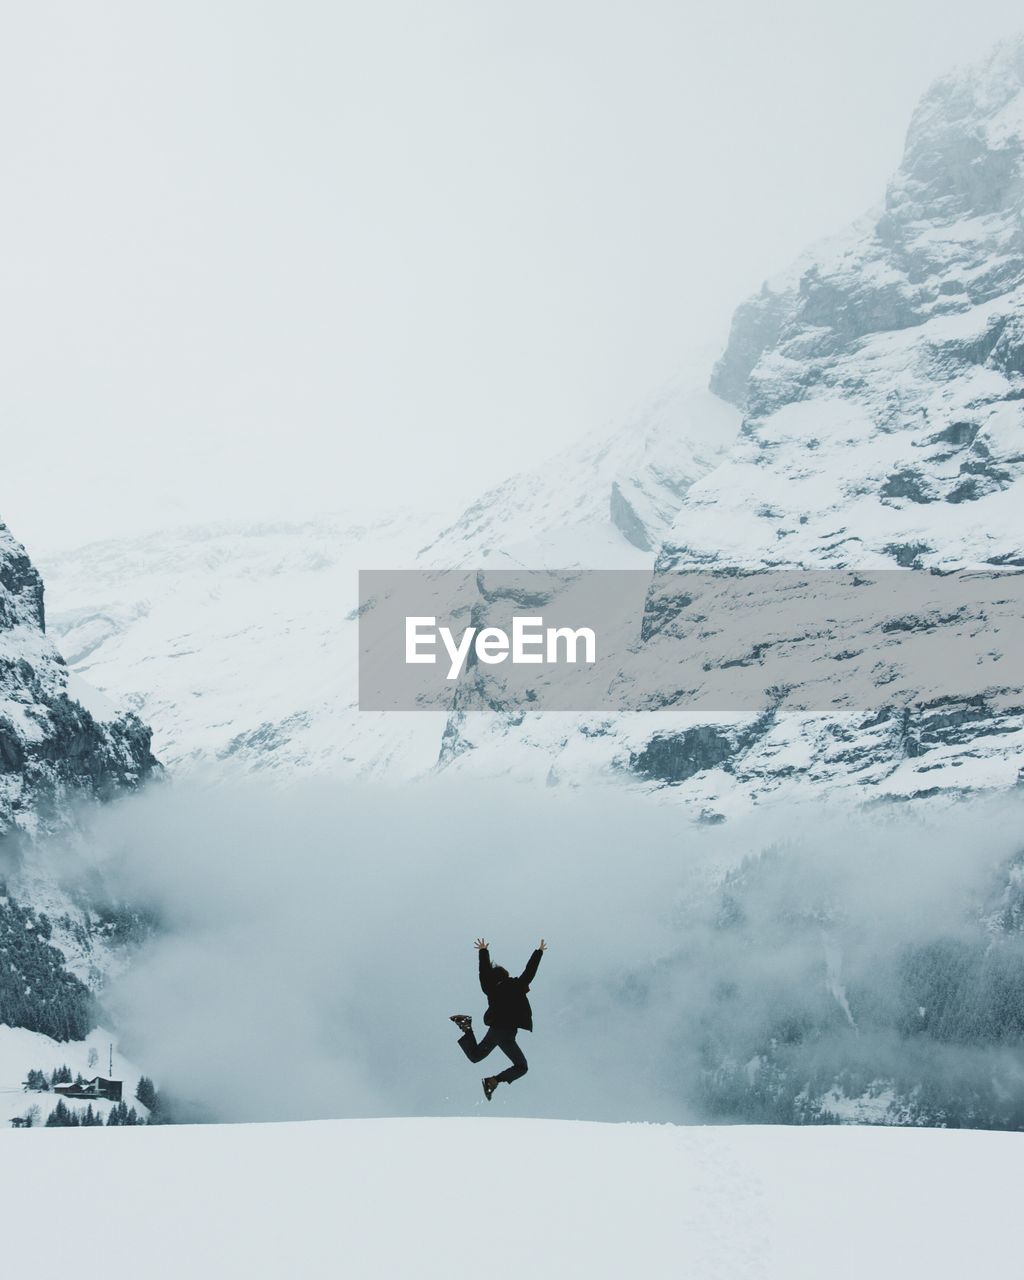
438, 1197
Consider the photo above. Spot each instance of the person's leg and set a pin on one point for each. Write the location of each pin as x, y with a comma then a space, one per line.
475, 1051
507, 1044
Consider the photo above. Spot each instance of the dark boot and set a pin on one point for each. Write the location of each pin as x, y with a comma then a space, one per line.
463, 1021
490, 1083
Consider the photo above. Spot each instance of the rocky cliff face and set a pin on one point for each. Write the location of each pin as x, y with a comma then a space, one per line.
881, 378
881, 381
60, 745
54, 749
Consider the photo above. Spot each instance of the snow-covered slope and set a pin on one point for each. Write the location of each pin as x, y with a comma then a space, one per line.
98, 1053
597, 505
548, 1199
238, 642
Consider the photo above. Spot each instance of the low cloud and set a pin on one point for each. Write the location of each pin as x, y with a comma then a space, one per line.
314, 940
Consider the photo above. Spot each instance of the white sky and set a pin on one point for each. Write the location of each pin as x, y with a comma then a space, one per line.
281, 258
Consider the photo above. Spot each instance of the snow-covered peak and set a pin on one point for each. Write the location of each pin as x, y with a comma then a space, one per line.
981, 102
948, 237
882, 376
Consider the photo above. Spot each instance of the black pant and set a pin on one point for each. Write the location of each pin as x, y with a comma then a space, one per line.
503, 1038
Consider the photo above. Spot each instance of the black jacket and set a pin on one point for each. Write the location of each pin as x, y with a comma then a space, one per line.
507, 1005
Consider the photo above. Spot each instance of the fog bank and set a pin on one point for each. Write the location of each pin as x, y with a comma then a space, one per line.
314, 941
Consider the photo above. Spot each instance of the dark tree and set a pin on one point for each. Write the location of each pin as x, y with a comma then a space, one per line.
146, 1094
62, 1117
36, 990
121, 1114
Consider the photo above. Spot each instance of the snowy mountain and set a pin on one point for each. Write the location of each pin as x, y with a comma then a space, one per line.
881, 382
238, 642
62, 746
881, 378
59, 740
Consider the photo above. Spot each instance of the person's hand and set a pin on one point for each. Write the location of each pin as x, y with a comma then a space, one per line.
480, 944
542, 945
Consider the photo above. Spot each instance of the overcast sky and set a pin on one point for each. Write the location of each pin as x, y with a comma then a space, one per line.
268, 258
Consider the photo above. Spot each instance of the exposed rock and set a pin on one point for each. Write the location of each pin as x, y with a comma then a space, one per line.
55, 754
53, 750
675, 757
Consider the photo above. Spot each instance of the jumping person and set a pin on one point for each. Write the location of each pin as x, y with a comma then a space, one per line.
508, 1011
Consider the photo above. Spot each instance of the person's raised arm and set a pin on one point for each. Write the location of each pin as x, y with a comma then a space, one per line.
485, 964
533, 964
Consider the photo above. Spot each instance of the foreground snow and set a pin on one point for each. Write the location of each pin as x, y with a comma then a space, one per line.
426, 1197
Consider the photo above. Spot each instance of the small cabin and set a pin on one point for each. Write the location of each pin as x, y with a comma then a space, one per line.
21, 1122
97, 1087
